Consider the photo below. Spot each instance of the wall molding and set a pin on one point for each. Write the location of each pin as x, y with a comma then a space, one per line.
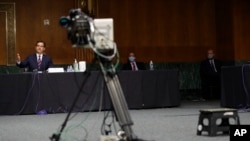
10, 10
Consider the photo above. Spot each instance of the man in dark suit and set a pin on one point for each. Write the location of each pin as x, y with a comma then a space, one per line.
210, 76
38, 61
132, 64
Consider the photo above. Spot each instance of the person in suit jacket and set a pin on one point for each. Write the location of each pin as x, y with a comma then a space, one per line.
132, 64
210, 69
38, 61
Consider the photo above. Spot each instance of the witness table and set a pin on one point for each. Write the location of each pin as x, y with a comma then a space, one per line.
29, 93
235, 86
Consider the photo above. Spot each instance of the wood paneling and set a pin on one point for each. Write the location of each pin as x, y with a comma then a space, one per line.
241, 22
224, 30
3, 46
159, 30
30, 16
30, 28
162, 30
10, 32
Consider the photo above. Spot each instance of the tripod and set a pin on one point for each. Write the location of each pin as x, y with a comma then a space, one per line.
84, 33
118, 101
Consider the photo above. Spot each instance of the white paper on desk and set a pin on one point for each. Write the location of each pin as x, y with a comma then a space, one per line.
82, 66
55, 70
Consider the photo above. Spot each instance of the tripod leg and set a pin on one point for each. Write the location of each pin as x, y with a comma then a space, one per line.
120, 105
120, 95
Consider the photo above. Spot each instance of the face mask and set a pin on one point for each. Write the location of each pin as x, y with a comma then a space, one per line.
131, 59
210, 56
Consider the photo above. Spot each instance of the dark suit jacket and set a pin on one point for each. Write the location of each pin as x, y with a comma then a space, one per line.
207, 73
140, 66
31, 63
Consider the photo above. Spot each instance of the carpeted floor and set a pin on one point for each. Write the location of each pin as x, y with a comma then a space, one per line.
162, 124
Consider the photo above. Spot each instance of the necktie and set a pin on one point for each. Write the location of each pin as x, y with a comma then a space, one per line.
133, 66
39, 61
213, 65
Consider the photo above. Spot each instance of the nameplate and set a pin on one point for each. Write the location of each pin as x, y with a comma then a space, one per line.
54, 70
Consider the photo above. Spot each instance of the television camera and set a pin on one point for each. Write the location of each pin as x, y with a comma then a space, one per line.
84, 32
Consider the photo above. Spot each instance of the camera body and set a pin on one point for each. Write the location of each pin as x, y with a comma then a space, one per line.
80, 28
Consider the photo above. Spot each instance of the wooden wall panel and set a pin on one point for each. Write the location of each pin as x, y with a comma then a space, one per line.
8, 29
3, 49
224, 30
30, 28
159, 30
30, 16
241, 30
162, 30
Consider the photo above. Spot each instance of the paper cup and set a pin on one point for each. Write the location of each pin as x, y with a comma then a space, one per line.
82, 66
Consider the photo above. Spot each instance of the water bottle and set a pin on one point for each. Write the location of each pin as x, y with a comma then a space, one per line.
71, 68
67, 70
75, 66
151, 65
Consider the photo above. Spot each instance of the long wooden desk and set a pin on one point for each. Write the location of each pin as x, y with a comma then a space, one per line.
29, 93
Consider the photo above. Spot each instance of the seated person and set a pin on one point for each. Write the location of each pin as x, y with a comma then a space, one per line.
210, 76
38, 61
132, 64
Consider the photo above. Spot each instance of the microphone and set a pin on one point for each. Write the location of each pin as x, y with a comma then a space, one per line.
36, 71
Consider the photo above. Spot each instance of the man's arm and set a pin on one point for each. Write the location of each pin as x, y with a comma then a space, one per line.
19, 63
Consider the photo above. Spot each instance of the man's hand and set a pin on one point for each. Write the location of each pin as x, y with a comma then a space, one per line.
18, 58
